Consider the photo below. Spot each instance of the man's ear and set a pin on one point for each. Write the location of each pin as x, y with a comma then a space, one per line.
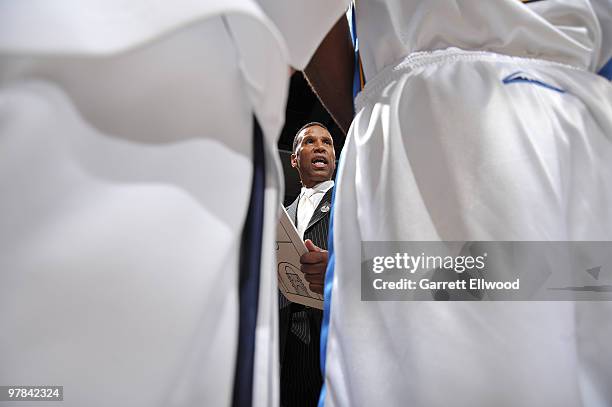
293, 160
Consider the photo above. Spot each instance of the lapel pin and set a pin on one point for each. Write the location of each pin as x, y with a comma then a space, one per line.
325, 208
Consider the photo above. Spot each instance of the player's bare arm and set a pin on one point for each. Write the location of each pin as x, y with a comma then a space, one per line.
330, 73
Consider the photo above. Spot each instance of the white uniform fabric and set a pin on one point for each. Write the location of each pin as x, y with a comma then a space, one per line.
119, 237
442, 149
574, 32
303, 24
125, 165
603, 10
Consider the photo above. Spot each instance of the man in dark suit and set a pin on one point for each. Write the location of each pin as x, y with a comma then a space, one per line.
315, 160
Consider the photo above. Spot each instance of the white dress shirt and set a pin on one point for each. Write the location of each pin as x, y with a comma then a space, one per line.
310, 198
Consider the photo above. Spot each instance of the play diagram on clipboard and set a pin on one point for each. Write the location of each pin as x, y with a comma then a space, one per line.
291, 281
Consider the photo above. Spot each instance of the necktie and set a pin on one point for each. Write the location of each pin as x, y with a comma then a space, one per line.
305, 209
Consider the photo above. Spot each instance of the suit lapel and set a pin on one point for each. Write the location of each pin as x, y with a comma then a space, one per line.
292, 211
322, 210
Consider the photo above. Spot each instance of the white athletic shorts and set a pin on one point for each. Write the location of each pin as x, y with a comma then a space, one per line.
468, 146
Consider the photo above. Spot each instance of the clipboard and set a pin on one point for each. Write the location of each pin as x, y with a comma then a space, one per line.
291, 281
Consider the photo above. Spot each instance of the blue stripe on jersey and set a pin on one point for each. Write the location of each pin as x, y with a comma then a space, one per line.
606, 70
521, 77
249, 271
353, 26
327, 293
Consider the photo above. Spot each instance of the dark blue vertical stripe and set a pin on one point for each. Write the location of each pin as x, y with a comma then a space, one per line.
250, 261
606, 70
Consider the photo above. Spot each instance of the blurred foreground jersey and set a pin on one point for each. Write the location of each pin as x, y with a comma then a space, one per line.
480, 120
125, 167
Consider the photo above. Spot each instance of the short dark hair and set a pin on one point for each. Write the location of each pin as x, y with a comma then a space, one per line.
307, 125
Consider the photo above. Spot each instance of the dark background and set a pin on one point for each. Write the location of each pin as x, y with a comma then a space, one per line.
302, 107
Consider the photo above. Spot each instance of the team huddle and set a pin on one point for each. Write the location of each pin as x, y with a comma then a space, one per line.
141, 190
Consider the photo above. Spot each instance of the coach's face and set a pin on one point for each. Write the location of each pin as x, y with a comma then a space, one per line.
314, 157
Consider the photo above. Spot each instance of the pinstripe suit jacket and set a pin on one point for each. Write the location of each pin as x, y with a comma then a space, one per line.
316, 231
